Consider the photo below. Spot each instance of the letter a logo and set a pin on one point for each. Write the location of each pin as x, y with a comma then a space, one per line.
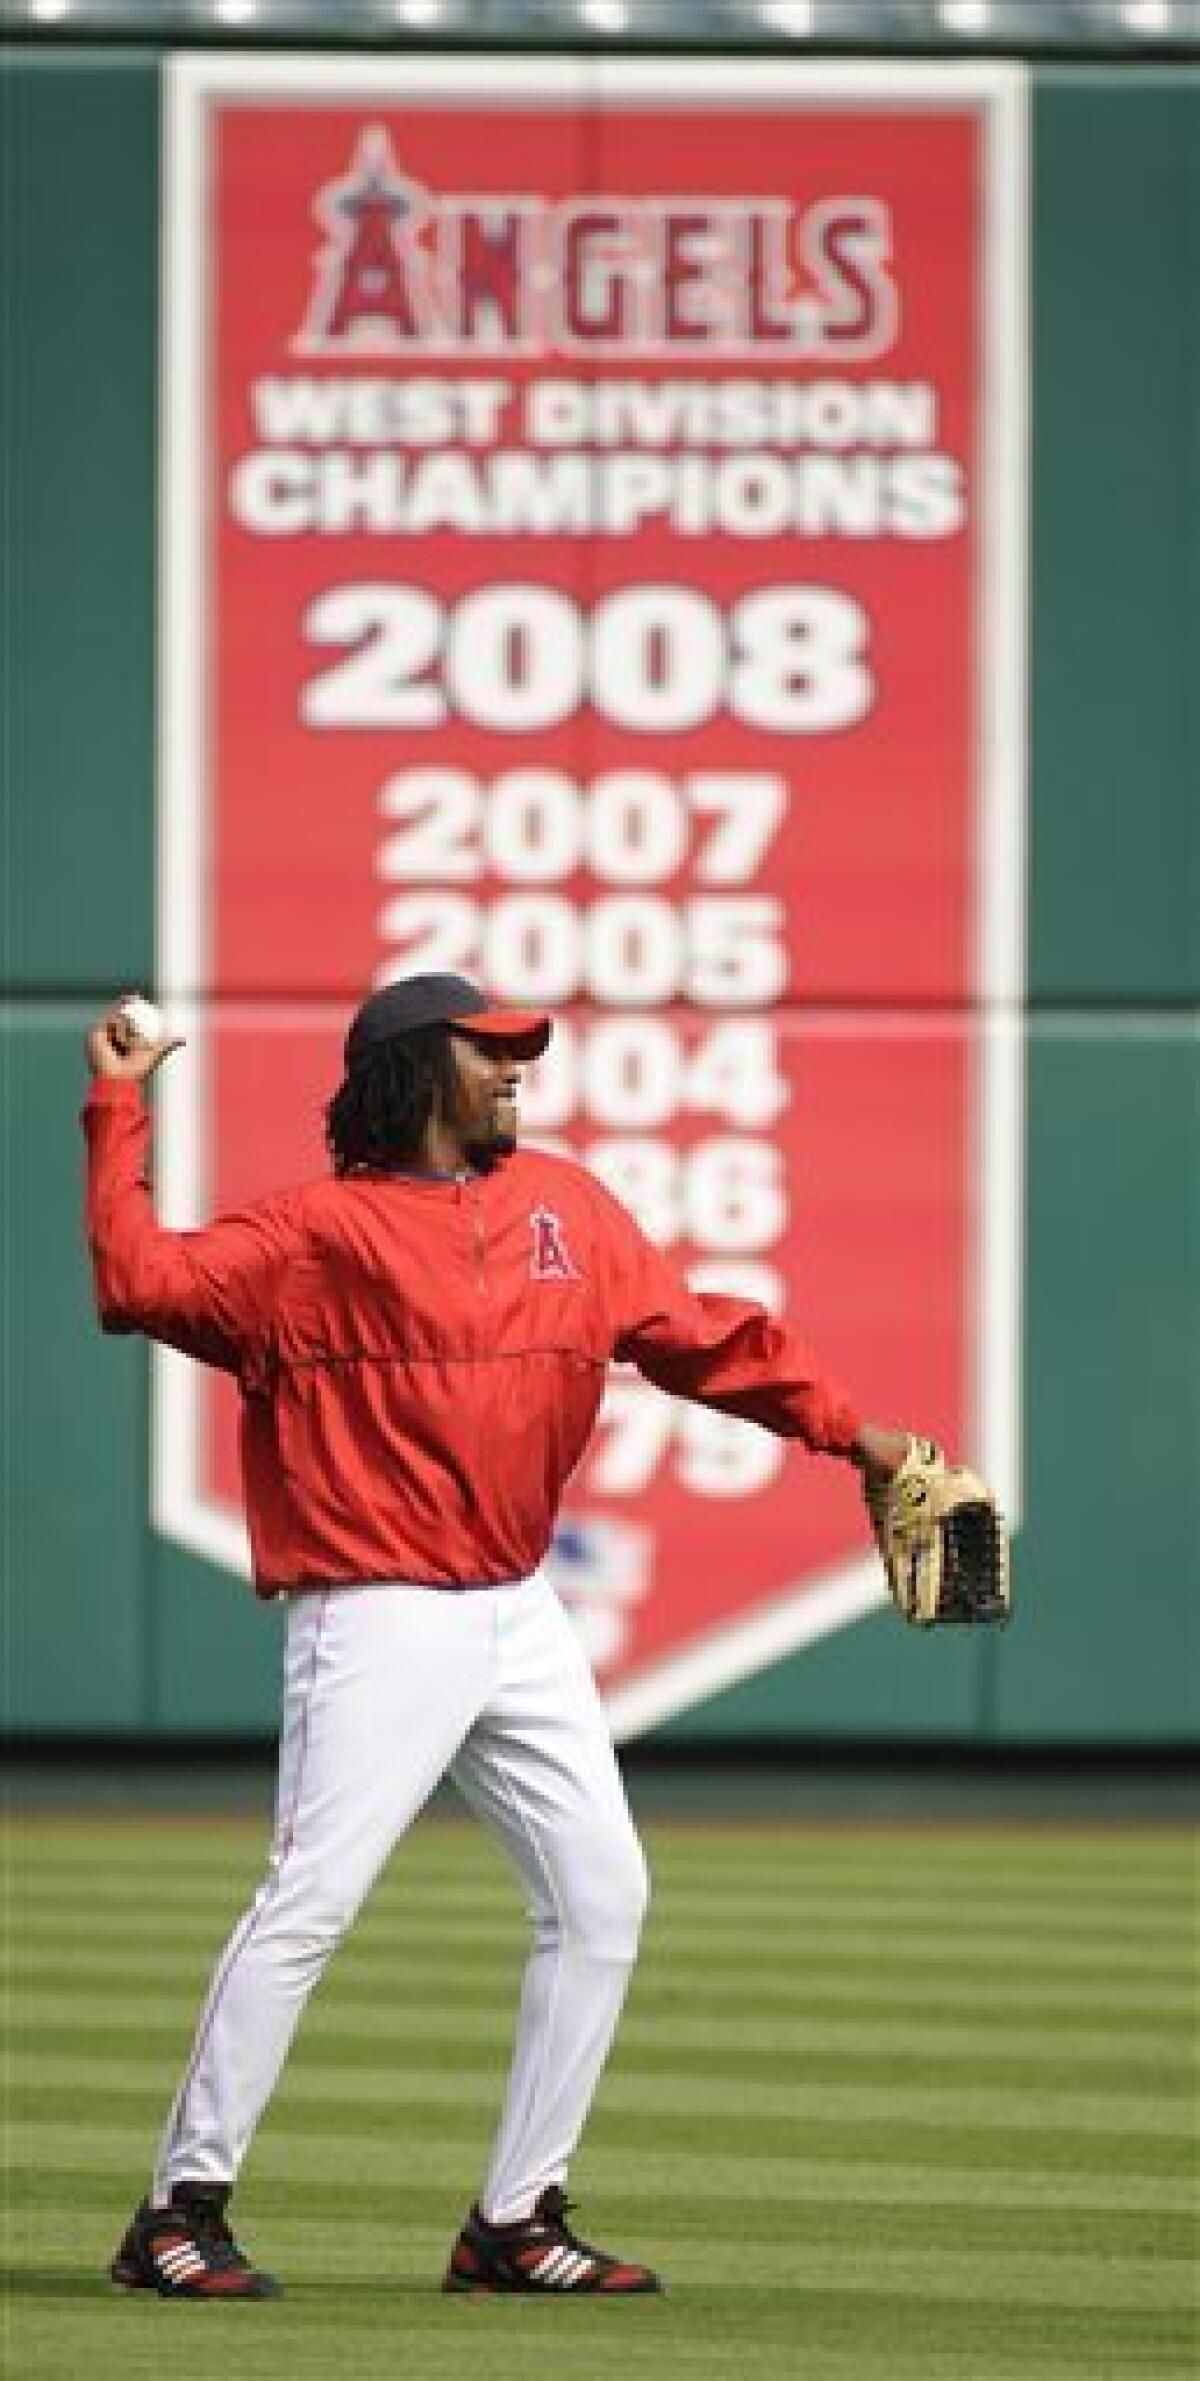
550, 1258
370, 290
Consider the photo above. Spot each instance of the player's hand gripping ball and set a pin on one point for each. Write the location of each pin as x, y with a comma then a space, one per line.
943, 1540
131, 1041
146, 1023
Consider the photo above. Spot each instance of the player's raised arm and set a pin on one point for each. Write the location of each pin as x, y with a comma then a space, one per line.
210, 1293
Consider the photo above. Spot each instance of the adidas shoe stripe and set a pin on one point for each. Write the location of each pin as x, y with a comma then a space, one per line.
562, 2268
179, 2264
547, 2267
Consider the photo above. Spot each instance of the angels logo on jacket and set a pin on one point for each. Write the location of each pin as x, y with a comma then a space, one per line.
550, 1259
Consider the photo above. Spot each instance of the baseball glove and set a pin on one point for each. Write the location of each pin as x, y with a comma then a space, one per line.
944, 1543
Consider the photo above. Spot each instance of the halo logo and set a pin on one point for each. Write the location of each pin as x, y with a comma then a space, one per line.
370, 280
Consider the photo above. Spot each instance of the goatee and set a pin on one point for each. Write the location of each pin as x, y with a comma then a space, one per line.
489, 1150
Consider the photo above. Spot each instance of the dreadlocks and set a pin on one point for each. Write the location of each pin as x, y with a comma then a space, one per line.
379, 1115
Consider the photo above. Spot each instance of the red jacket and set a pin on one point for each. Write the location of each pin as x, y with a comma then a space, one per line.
421, 1362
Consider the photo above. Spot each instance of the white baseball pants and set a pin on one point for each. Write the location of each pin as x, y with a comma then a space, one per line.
386, 1688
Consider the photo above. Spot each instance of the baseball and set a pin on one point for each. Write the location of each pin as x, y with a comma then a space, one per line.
146, 1022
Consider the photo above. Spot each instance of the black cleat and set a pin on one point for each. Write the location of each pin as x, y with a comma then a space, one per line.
541, 2255
187, 2250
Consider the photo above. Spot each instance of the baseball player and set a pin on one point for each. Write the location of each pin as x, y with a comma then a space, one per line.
420, 1341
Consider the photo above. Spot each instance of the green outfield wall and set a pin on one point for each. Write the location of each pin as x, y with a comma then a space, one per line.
110, 1631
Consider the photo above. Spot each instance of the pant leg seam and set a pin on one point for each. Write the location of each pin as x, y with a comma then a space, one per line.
267, 1894
513, 1805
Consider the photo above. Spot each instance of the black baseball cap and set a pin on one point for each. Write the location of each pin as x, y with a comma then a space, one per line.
413, 1001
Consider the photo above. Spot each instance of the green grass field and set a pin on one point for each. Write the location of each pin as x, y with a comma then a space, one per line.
905, 2103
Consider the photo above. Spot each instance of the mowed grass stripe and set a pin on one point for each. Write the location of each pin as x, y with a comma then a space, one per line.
1159, 2116
808, 1986
971, 1841
745, 2035
790, 1983
889, 2189
389, 2314
906, 1948
364, 1972
989, 2147
1169, 2052
646, 2036
693, 2045
817, 2096
675, 2094
720, 1926
648, 2075
391, 1922
808, 1900
467, 1861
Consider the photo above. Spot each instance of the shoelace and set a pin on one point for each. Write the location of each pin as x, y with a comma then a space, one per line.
212, 2234
555, 2209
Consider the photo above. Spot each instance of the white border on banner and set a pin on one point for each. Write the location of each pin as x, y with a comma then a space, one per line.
182, 1512
1001, 832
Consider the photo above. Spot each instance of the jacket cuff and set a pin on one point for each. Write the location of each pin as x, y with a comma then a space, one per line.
841, 1428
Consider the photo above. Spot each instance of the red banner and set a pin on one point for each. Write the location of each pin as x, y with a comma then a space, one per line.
593, 566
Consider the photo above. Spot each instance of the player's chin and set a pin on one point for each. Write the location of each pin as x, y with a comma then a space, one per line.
504, 1124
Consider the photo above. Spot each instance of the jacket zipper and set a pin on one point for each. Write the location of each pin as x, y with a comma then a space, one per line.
468, 1191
